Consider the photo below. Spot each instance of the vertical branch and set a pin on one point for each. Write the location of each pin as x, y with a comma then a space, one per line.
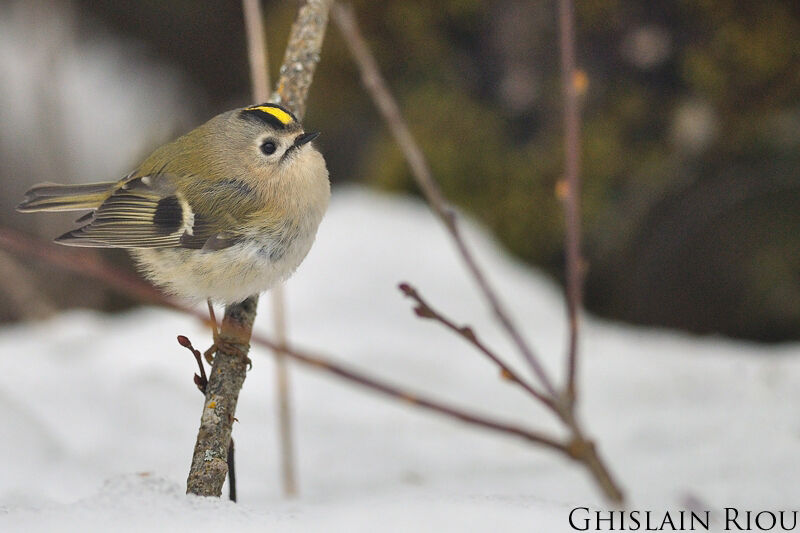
302, 55
259, 76
209, 462
580, 448
571, 198
257, 51
288, 477
296, 73
387, 106
210, 459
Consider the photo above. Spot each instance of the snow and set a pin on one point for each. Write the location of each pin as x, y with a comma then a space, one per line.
99, 413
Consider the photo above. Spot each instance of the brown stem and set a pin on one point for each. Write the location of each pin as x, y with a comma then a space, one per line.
377, 385
288, 477
387, 105
563, 405
424, 310
257, 51
210, 458
585, 452
572, 212
299, 64
94, 267
259, 75
232, 472
201, 380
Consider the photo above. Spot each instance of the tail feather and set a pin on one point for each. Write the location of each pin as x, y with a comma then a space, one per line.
54, 197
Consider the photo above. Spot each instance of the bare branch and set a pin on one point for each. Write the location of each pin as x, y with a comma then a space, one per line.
302, 55
424, 310
201, 380
95, 268
571, 198
561, 404
257, 51
376, 86
387, 389
288, 477
210, 459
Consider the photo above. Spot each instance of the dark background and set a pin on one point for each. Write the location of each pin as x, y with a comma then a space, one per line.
691, 135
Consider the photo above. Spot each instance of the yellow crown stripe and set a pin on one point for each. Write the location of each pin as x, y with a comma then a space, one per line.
284, 117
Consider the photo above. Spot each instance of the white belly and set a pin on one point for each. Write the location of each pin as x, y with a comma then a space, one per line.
225, 276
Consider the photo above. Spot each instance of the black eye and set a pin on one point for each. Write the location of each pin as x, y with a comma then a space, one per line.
268, 147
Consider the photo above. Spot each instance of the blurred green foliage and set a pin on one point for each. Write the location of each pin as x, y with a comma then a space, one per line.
691, 130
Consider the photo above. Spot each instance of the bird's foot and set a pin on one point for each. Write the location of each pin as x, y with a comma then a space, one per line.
226, 346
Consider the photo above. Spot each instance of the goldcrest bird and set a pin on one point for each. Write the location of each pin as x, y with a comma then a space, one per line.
224, 212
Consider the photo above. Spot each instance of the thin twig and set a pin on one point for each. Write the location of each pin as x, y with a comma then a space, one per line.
282, 393
232, 471
210, 458
580, 447
257, 51
572, 212
376, 86
92, 266
354, 376
424, 310
133, 286
201, 380
259, 75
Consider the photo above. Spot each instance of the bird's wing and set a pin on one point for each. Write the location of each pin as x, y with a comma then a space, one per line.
142, 212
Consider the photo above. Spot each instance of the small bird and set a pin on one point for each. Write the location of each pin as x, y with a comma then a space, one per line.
222, 213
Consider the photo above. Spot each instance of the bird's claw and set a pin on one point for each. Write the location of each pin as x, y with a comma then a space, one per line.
227, 347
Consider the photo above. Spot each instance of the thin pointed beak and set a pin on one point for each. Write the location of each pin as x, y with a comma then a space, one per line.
305, 138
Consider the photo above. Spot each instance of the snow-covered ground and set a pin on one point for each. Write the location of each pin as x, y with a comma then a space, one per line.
99, 413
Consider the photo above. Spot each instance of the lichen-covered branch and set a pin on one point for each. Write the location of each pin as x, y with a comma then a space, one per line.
302, 55
210, 458
209, 462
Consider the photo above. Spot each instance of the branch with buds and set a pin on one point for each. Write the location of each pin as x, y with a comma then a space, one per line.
561, 402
